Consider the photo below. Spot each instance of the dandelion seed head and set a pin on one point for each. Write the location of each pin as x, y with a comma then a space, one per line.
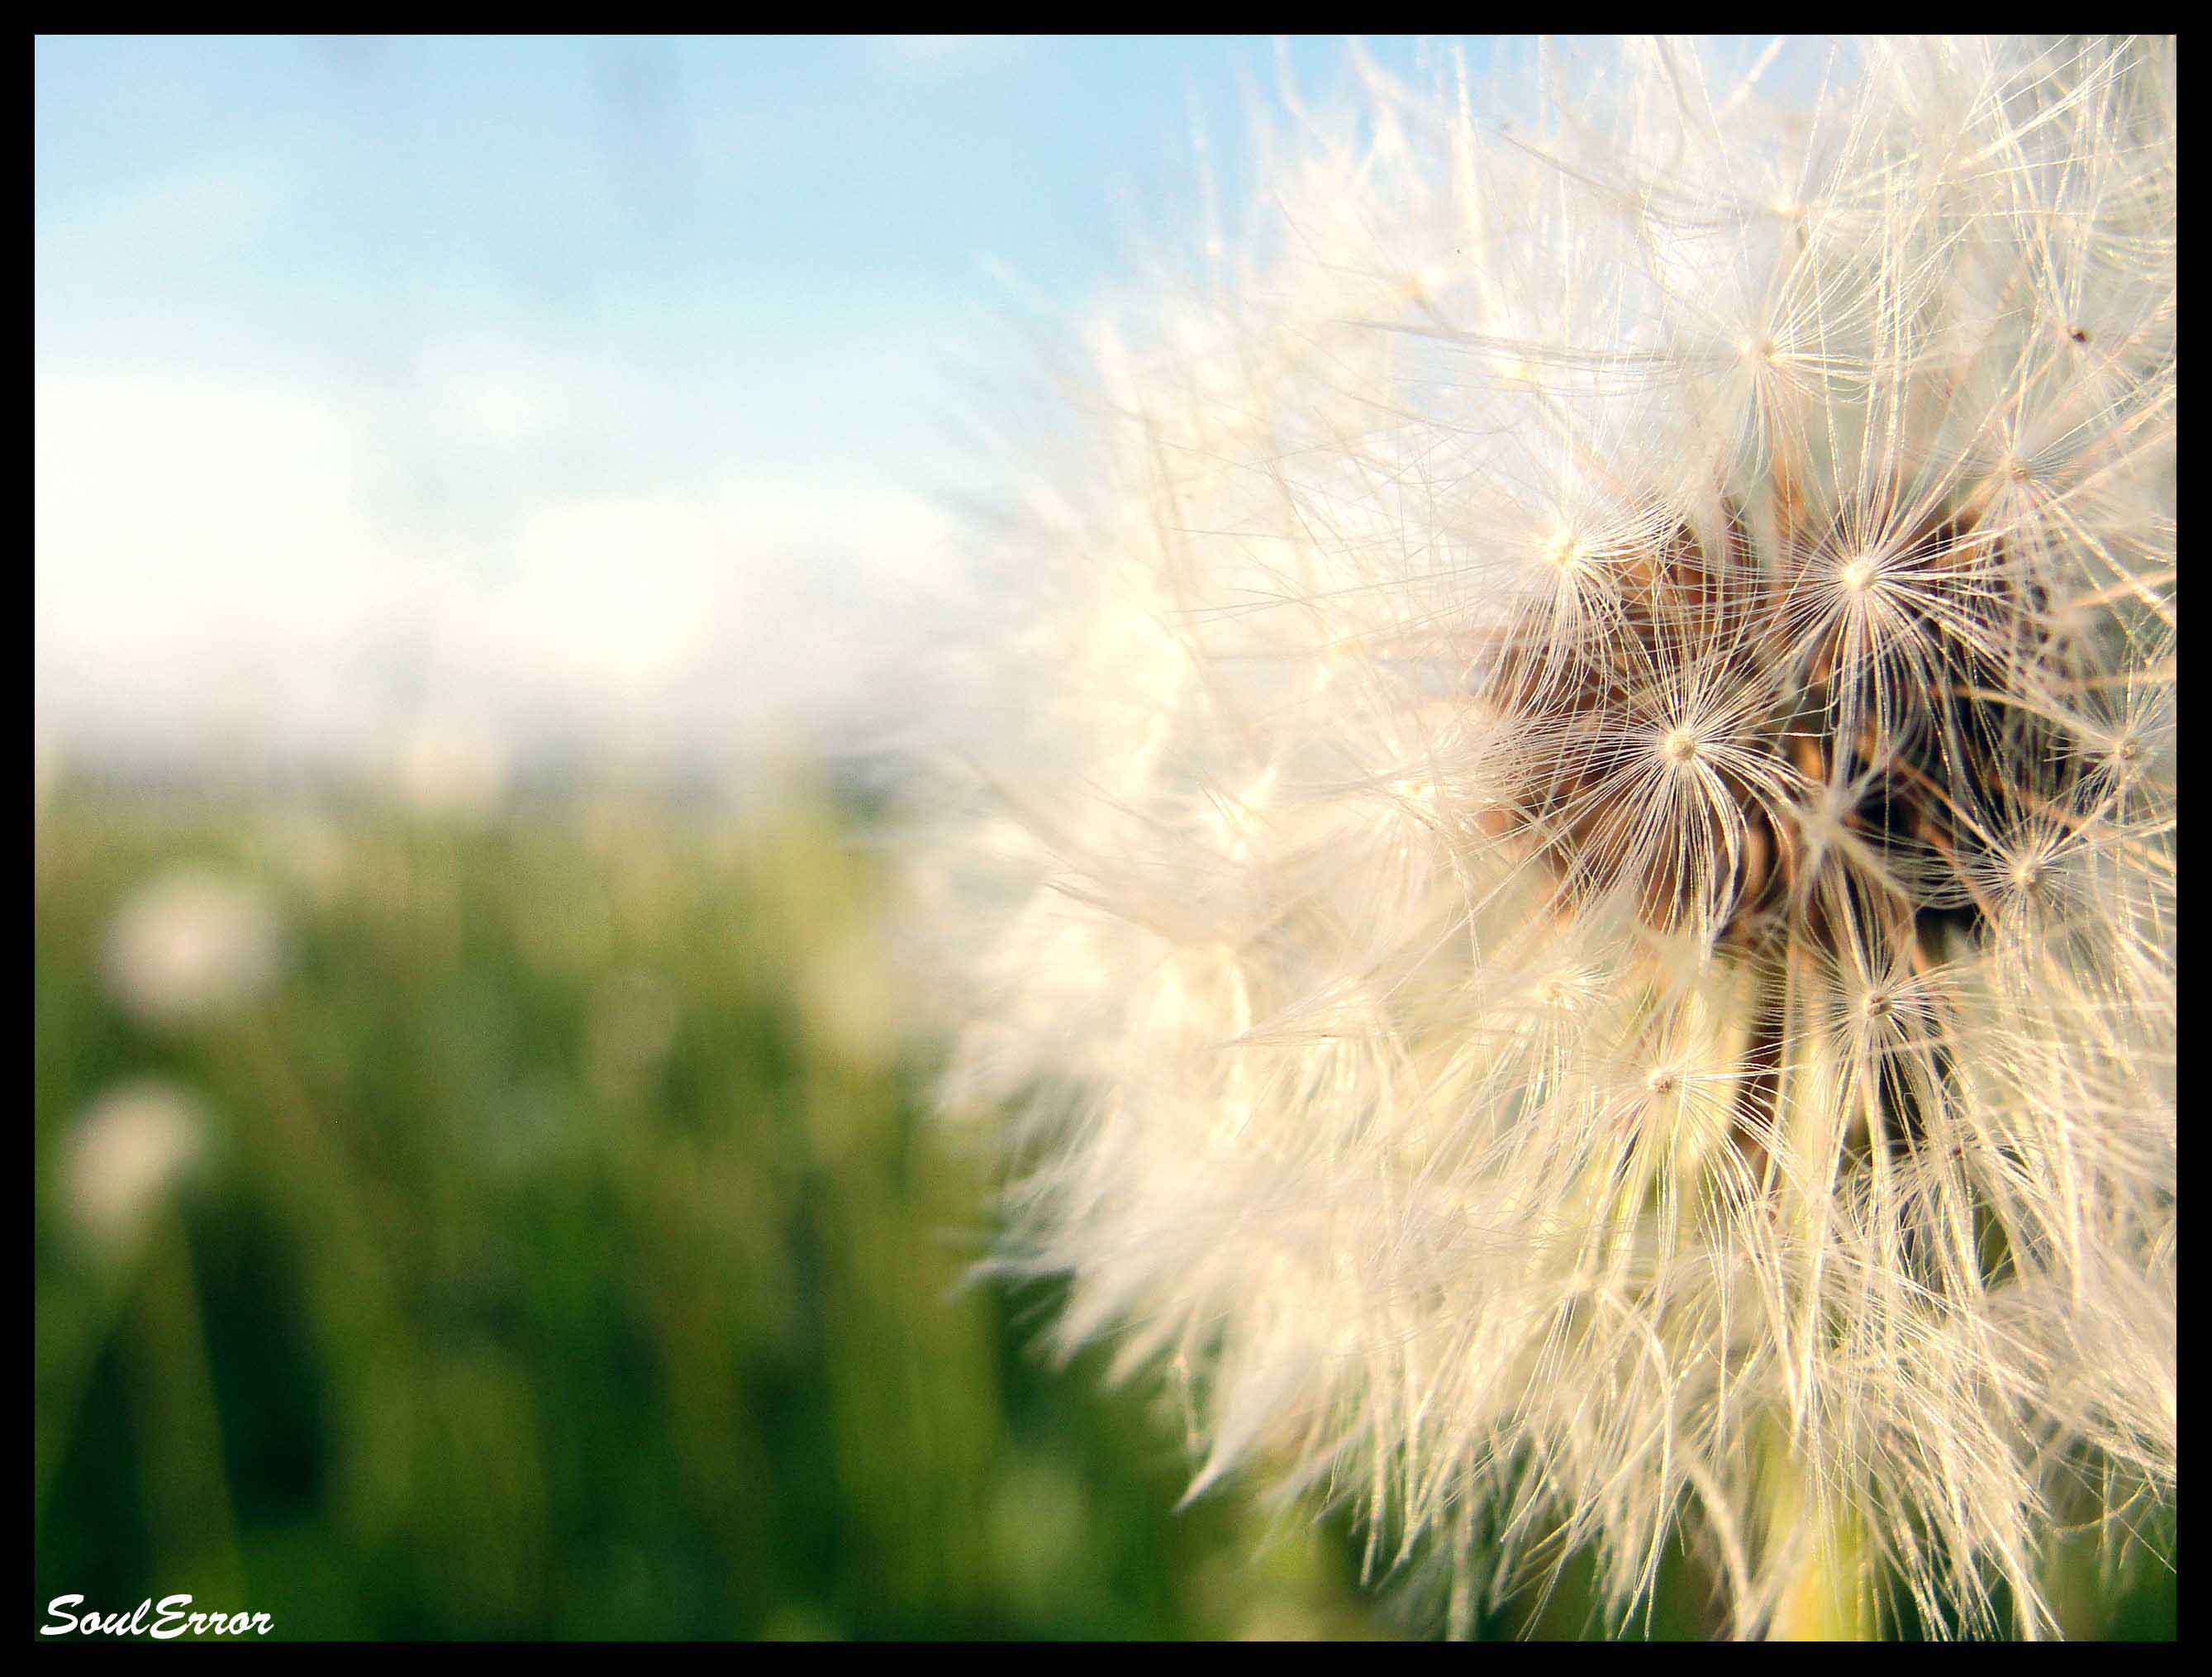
1578, 906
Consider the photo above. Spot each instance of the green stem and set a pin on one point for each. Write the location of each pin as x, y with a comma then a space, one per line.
1828, 1596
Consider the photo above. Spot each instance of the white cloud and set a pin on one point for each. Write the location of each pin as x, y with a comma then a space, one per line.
209, 572
481, 387
621, 591
174, 512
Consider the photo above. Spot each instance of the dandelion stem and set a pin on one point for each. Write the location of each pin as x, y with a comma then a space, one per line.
1824, 1597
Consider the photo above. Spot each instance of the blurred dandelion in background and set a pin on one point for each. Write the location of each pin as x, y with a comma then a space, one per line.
190, 943
124, 1154
1573, 884
449, 771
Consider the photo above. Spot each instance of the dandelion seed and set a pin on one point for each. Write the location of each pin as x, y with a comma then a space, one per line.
1585, 947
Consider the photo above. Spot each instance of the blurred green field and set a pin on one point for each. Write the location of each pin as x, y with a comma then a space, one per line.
525, 1224
539, 1236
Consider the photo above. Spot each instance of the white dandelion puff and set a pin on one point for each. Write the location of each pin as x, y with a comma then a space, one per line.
1580, 915
125, 1153
191, 944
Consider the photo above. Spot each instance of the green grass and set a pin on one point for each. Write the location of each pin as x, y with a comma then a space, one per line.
568, 1255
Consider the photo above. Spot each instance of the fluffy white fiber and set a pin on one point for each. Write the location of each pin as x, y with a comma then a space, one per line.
1573, 890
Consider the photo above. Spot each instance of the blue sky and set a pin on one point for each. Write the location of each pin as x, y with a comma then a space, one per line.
589, 391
